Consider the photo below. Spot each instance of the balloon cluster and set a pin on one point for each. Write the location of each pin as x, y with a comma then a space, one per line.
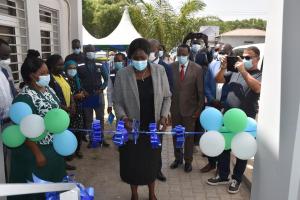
36, 128
233, 131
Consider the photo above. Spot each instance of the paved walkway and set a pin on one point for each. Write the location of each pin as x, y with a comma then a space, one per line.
100, 168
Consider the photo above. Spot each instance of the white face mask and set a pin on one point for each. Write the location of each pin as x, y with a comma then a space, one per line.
90, 55
76, 51
161, 53
72, 72
5, 63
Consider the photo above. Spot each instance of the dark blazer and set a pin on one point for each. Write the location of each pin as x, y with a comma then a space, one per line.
169, 73
188, 95
94, 78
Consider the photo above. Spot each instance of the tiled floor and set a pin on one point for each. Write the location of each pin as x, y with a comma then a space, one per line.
100, 168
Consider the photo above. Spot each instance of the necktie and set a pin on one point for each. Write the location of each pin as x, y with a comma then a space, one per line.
182, 73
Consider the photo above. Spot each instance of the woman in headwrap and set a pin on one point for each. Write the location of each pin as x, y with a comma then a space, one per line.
78, 96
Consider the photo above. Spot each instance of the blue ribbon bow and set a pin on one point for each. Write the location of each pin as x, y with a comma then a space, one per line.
154, 139
121, 135
180, 131
96, 136
85, 193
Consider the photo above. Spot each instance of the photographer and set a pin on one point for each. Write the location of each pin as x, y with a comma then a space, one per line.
243, 84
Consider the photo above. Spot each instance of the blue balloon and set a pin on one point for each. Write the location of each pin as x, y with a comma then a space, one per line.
65, 143
211, 119
253, 133
251, 125
18, 111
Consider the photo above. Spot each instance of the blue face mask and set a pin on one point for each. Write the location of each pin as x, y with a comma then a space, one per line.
196, 48
43, 81
76, 51
160, 53
248, 64
72, 72
90, 55
139, 65
182, 59
118, 65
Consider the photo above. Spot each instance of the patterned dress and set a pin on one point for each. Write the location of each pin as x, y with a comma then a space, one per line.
23, 162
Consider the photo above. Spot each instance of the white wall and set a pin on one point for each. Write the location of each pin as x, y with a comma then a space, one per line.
240, 40
277, 163
66, 33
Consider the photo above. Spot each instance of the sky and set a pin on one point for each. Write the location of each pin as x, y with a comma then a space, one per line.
230, 9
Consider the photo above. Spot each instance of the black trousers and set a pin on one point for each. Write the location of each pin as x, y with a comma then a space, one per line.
160, 160
224, 167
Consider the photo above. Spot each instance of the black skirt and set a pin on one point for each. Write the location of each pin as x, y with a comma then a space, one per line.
140, 163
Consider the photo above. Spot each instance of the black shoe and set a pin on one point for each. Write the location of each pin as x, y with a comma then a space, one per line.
217, 181
70, 167
161, 176
79, 155
188, 167
175, 164
234, 186
105, 144
84, 138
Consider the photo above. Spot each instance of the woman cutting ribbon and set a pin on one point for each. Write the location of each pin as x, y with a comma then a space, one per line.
141, 93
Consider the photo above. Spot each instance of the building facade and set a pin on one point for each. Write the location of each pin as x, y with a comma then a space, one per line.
47, 26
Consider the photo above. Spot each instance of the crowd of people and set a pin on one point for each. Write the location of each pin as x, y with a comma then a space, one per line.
144, 85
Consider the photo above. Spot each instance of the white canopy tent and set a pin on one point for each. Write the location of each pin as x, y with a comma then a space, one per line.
123, 34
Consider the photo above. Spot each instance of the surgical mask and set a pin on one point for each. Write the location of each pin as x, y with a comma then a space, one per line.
248, 64
160, 53
182, 59
139, 65
72, 72
215, 55
5, 63
90, 55
118, 65
43, 81
152, 57
196, 48
76, 51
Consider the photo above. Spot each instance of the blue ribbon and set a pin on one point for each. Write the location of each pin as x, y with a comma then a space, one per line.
154, 139
121, 135
135, 130
85, 193
96, 136
180, 131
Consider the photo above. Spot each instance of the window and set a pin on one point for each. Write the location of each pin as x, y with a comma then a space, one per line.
248, 42
13, 29
49, 23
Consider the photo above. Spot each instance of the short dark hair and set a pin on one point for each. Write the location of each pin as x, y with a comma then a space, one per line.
52, 61
185, 46
139, 44
254, 49
75, 41
31, 64
121, 54
3, 42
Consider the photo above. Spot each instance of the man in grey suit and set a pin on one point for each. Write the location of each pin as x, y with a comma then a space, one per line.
187, 101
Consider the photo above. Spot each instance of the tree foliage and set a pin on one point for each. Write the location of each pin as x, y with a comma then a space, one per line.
156, 20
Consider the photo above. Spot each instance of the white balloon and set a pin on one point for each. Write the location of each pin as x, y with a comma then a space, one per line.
212, 143
32, 126
244, 146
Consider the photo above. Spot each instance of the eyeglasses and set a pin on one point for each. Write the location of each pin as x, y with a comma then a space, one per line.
247, 57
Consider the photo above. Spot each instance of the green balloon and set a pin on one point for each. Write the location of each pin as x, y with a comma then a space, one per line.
235, 120
37, 139
228, 138
12, 136
57, 120
223, 129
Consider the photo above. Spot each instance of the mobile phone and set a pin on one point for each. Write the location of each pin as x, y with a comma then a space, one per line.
231, 60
